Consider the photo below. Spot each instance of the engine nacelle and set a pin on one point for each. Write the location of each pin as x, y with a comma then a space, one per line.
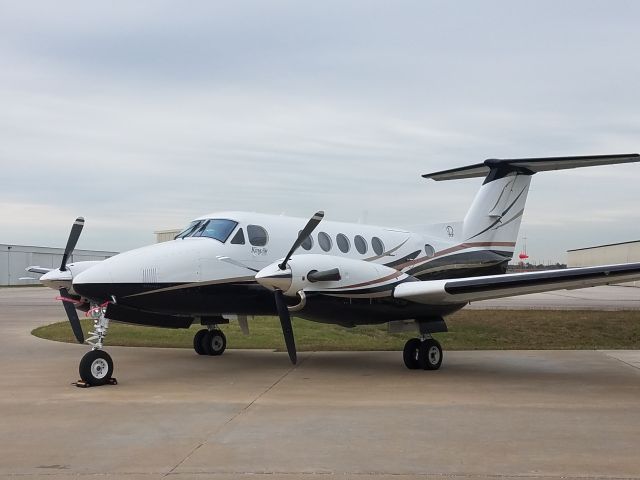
317, 273
58, 279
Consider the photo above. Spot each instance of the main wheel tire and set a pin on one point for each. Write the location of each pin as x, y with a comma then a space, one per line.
96, 367
410, 353
430, 355
214, 342
197, 341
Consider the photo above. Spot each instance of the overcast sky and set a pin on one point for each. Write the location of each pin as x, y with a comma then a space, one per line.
142, 115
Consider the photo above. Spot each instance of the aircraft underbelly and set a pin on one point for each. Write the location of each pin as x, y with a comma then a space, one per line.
252, 299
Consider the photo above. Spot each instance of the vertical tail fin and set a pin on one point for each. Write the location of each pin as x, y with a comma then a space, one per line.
496, 212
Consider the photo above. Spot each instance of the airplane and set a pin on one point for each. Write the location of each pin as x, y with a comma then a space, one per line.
245, 264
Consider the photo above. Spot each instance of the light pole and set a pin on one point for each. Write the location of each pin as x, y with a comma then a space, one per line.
8, 264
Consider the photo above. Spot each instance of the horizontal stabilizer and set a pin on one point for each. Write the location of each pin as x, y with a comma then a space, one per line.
471, 289
531, 165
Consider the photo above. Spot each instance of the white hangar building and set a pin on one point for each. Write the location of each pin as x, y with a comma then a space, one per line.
166, 235
624, 252
15, 258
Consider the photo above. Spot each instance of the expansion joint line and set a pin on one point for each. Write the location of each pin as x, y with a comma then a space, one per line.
237, 414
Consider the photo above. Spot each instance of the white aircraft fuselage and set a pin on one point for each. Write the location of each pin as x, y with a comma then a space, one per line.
188, 277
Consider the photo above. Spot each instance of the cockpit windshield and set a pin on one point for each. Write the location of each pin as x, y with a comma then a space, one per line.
216, 228
189, 229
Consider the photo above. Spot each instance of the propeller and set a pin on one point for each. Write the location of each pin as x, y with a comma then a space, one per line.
302, 236
72, 315
287, 329
74, 235
68, 302
281, 304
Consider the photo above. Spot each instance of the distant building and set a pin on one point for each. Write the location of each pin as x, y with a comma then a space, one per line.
166, 235
624, 252
15, 258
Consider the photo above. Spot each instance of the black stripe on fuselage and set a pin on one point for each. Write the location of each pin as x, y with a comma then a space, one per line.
239, 297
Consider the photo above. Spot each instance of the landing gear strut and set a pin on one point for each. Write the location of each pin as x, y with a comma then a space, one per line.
210, 341
423, 353
96, 366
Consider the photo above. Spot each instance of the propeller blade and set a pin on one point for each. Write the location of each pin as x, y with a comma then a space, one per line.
74, 235
287, 329
72, 315
324, 275
302, 236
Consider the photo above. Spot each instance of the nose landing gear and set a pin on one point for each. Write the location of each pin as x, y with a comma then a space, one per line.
96, 366
422, 353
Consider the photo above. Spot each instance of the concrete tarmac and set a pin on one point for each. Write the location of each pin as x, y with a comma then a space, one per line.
485, 414
613, 297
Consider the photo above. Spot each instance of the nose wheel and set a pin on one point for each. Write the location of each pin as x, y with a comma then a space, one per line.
96, 368
422, 353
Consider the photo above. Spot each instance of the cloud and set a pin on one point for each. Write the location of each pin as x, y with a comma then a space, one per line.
142, 116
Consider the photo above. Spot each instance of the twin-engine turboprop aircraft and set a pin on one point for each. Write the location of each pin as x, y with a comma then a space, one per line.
231, 263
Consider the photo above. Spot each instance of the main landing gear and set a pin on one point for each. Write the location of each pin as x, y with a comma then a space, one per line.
210, 341
96, 366
423, 353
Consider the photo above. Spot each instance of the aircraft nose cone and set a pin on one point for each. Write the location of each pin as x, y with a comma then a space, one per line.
274, 278
94, 283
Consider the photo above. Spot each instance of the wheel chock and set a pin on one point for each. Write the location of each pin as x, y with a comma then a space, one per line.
83, 384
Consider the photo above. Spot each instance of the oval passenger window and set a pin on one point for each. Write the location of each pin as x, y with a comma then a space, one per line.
257, 235
377, 245
361, 244
343, 243
324, 241
429, 251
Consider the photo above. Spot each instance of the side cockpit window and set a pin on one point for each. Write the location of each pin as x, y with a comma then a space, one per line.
238, 238
257, 235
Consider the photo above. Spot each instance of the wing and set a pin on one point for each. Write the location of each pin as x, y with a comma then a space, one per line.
463, 290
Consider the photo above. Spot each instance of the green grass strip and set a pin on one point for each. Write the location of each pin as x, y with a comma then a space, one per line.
468, 330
